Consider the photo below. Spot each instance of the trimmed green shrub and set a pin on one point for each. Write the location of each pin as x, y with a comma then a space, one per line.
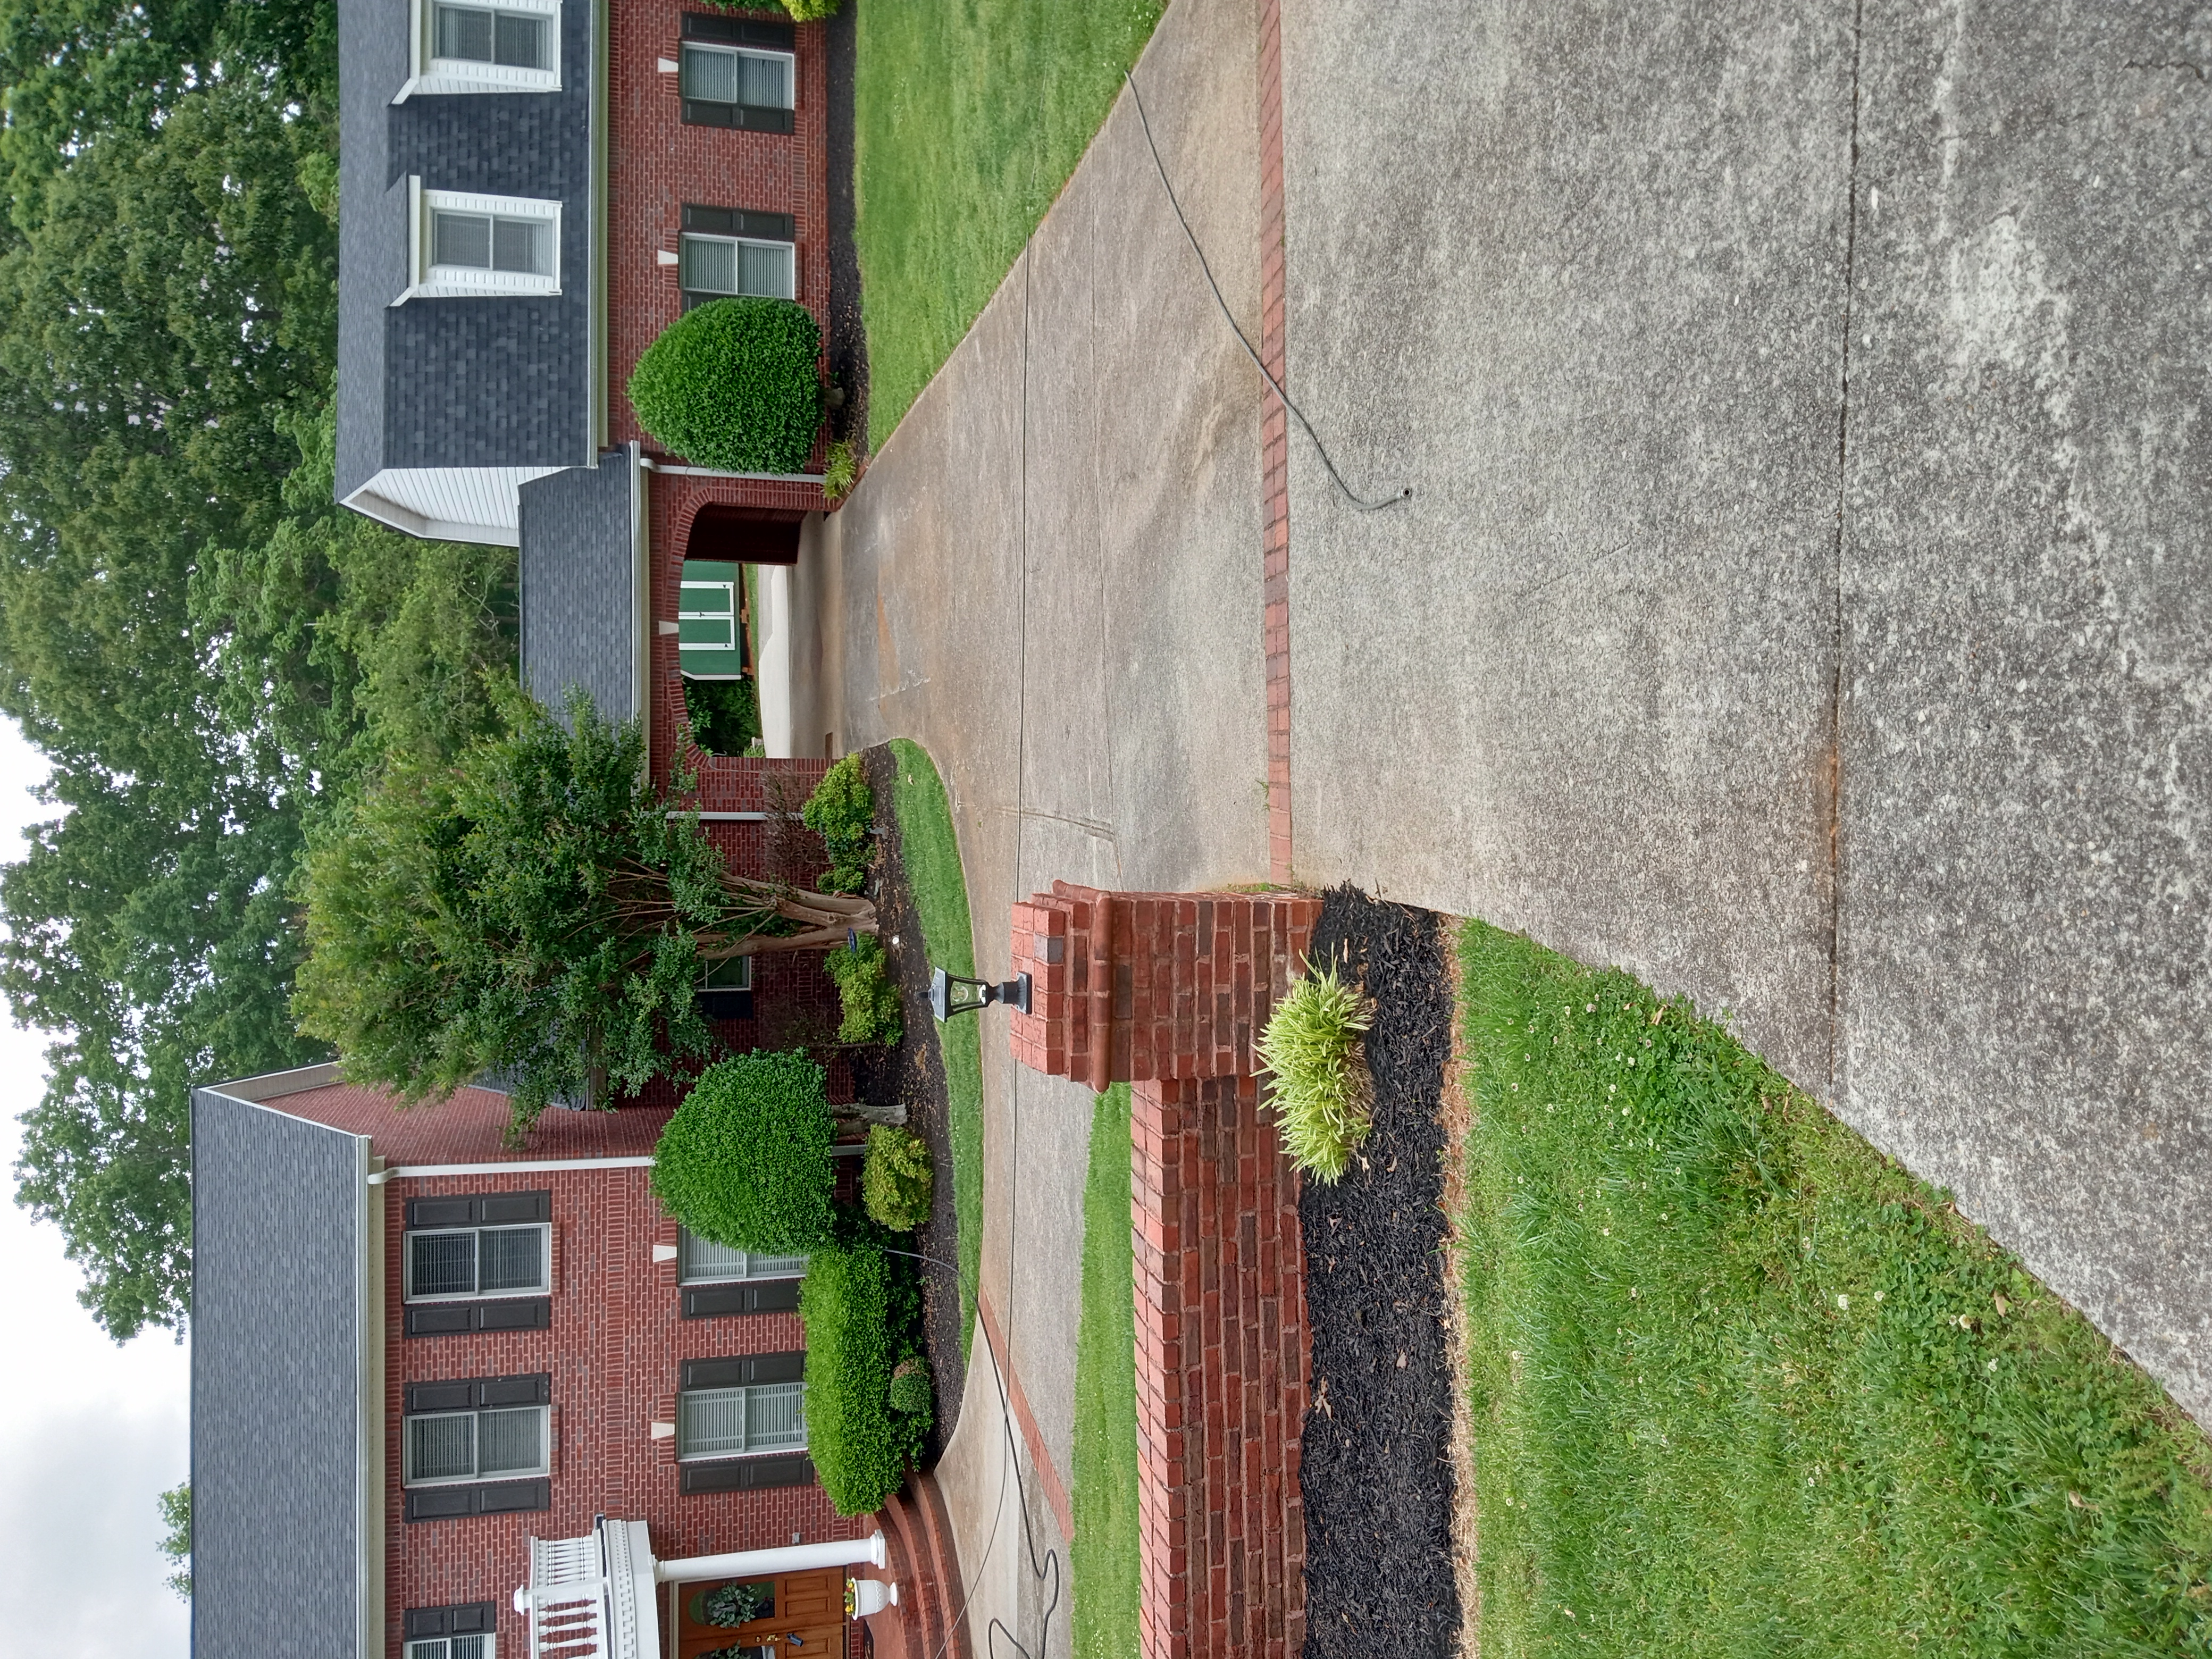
861, 1320
724, 714
734, 384
896, 1178
745, 1159
910, 1389
842, 811
865, 992
1322, 1094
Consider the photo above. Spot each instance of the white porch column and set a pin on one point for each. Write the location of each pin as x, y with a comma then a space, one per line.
794, 1558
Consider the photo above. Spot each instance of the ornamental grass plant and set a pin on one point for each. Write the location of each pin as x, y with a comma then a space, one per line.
1319, 1089
734, 384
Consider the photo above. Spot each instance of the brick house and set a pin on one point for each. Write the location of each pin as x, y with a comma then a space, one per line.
417, 1350
530, 190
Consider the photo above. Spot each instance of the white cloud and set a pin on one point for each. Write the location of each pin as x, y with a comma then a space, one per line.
93, 1432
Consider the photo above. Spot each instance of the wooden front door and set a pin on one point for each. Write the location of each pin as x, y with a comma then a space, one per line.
794, 1615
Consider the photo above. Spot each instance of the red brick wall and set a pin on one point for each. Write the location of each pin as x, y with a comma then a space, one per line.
614, 1350
655, 164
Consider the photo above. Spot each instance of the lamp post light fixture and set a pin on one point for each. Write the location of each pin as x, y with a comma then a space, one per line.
974, 994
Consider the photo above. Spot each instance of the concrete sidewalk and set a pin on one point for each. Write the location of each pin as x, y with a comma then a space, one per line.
1049, 580
1804, 599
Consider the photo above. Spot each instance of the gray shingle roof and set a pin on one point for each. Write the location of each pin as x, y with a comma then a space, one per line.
277, 1402
458, 382
580, 621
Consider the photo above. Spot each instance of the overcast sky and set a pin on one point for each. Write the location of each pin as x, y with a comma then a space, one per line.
92, 1432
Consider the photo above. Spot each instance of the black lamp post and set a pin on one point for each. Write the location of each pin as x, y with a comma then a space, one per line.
974, 994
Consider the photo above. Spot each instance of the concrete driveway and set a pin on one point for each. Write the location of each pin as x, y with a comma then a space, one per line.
1802, 600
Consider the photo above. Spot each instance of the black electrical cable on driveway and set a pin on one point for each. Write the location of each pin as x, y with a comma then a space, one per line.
1046, 1566
1320, 449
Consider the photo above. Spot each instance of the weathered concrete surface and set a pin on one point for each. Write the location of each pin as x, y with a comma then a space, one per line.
1049, 578
1676, 565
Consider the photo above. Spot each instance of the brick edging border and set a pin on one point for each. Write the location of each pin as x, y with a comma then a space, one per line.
1274, 448
1048, 1475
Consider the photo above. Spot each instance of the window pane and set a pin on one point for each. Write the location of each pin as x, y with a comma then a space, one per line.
520, 42
466, 1647
765, 82
513, 1441
522, 244
774, 1267
710, 1421
441, 1447
513, 1259
710, 75
775, 1415
766, 270
465, 33
733, 974
699, 1259
441, 1264
434, 1650
709, 266
461, 239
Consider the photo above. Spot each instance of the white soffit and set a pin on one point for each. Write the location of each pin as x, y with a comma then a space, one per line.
448, 503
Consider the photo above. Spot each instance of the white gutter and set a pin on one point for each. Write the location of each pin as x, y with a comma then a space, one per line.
677, 471
523, 1166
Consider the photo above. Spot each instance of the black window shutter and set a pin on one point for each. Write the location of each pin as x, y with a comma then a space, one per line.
441, 1318
454, 1396
711, 221
702, 112
744, 1369
754, 118
749, 1473
533, 1390
720, 1301
475, 1616
494, 1498
739, 221
427, 1622
779, 1367
440, 1211
524, 1313
510, 1208
737, 31
441, 1503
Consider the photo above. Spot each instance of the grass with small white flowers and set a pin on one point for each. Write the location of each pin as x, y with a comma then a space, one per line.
1742, 1386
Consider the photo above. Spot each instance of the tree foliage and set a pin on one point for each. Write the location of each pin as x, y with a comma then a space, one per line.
534, 910
208, 651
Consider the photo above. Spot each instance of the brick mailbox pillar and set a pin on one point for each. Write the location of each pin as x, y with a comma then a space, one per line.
1166, 992
1126, 988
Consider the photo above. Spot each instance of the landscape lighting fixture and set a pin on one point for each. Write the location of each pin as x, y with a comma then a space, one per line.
975, 993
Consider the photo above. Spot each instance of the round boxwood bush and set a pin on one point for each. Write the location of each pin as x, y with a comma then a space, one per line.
734, 384
745, 1159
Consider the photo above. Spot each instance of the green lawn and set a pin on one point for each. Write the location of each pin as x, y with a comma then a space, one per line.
1741, 1387
1103, 1561
969, 116
930, 852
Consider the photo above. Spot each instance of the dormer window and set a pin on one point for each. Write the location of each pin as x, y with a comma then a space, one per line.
485, 46
479, 246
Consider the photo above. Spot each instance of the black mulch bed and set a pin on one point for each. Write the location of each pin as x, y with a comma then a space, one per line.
1377, 1474
914, 1073
848, 343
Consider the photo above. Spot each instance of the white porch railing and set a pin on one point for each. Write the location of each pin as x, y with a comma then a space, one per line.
585, 1599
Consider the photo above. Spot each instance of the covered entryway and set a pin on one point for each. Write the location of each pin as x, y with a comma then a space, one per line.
792, 1615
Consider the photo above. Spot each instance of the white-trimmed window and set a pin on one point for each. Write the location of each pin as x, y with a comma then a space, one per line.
467, 244
492, 1443
702, 1261
454, 1647
716, 267
485, 46
736, 78
466, 1264
765, 1417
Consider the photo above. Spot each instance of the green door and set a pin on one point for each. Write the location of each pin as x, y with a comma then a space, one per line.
709, 633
